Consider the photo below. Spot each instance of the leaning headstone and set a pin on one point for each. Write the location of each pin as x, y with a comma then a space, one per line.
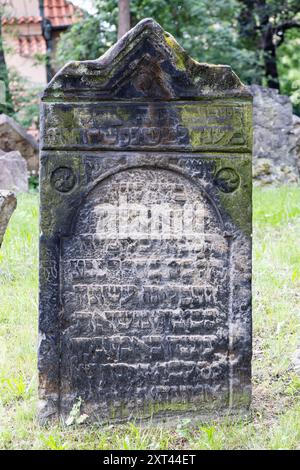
274, 138
2, 92
145, 248
8, 203
14, 137
13, 172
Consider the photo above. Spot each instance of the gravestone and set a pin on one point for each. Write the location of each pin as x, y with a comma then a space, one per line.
274, 138
14, 137
13, 172
8, 203
145, 248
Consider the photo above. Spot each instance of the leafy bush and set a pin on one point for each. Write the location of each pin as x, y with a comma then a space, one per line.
25, 98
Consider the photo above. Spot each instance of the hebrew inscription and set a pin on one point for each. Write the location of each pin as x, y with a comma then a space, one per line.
126, 126
145, 278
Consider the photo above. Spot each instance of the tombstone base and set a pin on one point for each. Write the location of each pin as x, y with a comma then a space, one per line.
156, 413
49, 413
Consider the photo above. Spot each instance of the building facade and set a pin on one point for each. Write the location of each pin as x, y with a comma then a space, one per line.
31, 29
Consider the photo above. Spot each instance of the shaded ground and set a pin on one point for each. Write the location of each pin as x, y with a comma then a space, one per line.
275, 414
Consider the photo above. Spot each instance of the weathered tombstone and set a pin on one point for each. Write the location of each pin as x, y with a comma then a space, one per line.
8, 203
13, 172
145, 252
14, 137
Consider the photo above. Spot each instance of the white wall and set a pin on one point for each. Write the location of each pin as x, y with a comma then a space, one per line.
19, 8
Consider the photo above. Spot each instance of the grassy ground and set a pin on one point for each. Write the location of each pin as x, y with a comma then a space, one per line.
275, 420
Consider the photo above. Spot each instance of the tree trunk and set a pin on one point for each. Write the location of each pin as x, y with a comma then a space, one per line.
270, 60
124, 17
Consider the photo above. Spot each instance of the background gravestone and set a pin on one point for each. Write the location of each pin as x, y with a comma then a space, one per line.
145, 249
13, 172
8, 203
275, 159
14, 137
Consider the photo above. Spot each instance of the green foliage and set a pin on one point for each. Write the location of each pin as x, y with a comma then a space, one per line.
7, 106
289, 67
87, 39
207, 29
33, 182
25, 98
52, 443
75, 417
263, 27
214, 31
286, 209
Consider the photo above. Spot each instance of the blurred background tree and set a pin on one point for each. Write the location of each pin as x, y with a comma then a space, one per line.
6, 106
289, 67
258, 38
263, 27
208, 29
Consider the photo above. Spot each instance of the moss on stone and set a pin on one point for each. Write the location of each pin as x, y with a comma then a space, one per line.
179, 54
237, 204
67, 118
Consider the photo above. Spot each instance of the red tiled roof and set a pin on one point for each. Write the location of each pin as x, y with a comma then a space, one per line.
30, 45
60, 12
21, 20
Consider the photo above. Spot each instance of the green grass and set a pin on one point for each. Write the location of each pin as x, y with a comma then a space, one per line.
275, 414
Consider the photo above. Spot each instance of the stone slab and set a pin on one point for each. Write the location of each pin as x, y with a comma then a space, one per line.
145, 248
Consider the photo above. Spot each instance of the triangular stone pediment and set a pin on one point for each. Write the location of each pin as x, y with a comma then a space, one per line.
146, 63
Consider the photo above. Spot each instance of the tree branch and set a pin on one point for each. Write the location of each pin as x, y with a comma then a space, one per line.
282, 27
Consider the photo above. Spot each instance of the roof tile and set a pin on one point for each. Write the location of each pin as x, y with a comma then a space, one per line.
58, 12
30, 45
21, 20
